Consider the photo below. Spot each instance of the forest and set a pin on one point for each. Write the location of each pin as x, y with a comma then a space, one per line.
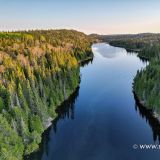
146, 84
38, 70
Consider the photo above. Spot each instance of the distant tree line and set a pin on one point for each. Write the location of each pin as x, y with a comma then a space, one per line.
147, 81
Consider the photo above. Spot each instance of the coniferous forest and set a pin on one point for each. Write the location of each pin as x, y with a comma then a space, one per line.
38, 71
147, 81
79, 80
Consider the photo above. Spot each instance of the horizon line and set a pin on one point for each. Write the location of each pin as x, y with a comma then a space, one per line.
47, 29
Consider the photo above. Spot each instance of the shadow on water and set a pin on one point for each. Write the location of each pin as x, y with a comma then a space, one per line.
150, 119
66, 110
53, 145
144, 60
86, 62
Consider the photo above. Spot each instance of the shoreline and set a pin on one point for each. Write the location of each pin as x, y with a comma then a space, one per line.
51, 120
131, 50
153, 113
138, 101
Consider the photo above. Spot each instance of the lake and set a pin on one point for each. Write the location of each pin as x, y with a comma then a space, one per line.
102, 120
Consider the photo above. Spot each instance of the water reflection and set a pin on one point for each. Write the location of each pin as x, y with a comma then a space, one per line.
150, 119
106, 121
86, 62
111, 51
66, 110
143, 59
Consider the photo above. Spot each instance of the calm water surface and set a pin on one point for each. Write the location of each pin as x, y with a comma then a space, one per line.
101, 120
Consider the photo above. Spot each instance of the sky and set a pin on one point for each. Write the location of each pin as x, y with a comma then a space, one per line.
89, 16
